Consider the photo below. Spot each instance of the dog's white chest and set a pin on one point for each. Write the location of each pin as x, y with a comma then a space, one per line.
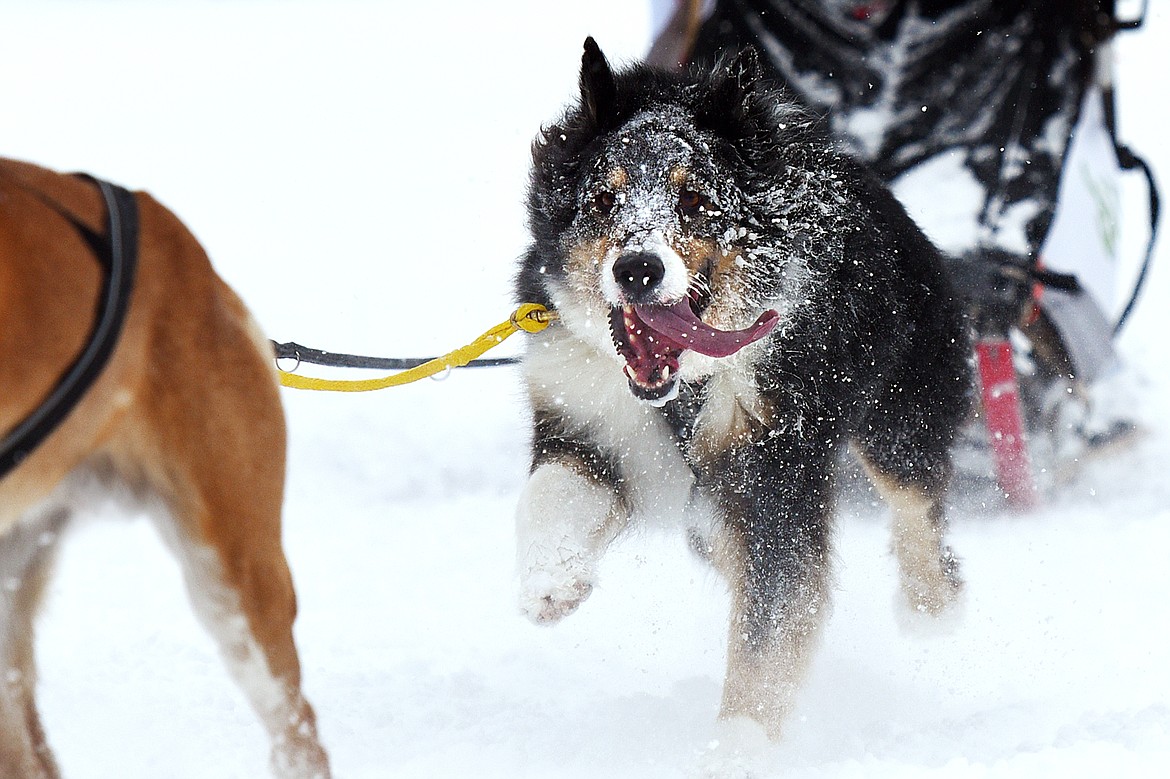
590, 393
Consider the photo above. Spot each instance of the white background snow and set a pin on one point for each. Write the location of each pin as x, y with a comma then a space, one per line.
356, 170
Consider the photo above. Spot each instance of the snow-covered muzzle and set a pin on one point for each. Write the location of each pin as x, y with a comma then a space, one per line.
660, 237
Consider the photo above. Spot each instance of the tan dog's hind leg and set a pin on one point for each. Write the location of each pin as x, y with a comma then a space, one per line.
223, 490
243, 595
26, 554
208, 438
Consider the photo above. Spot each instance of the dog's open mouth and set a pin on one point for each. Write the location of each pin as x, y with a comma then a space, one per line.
652, 337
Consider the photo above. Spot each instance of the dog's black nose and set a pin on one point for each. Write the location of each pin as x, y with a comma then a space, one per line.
638, 274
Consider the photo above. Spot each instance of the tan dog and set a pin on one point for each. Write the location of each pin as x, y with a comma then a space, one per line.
186, 418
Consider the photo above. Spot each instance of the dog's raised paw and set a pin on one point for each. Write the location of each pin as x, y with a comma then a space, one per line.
546, 597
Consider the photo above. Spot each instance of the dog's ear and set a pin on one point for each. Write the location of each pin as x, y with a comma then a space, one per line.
737, 75
598, 91
745, 67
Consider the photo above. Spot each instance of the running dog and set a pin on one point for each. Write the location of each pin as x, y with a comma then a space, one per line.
186, 418
738, 303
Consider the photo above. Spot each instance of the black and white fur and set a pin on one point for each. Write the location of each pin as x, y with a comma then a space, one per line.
718, 188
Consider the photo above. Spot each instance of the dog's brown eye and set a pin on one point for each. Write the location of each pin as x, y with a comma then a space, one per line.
604, 201
691, 202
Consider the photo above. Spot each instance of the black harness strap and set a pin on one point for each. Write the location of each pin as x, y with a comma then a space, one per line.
118, 253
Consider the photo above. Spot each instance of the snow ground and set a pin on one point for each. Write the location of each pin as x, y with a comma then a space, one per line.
351, 168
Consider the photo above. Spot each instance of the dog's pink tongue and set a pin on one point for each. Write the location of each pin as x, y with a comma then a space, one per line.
682, 325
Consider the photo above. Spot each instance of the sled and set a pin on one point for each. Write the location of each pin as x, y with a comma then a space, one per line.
994, 122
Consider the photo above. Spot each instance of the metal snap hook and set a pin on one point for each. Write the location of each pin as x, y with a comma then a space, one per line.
297, 356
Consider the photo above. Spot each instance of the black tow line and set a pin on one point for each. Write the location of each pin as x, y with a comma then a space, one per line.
117, 251
294, 351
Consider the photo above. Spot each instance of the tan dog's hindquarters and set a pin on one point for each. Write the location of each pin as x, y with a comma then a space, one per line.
186, 417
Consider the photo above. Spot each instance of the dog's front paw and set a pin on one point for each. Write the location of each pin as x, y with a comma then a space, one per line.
548, 595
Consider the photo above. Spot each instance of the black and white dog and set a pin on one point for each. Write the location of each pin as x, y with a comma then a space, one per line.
737, 304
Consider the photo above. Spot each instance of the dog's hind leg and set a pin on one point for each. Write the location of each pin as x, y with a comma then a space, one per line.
26, 553
222, 519
213, 451
241, 590
904, 445
204, 432
913, 488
